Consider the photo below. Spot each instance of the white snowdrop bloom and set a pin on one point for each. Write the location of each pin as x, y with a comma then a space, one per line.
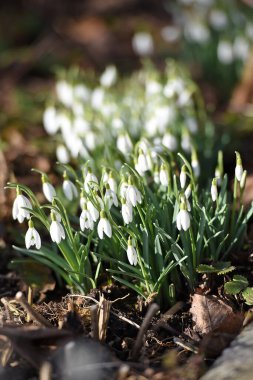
112, 183
18, 211
196, 31
218, 19
195, 167
80, 125
238, 168
173, 87
142, 162
93, 210
86, 221
183, 219
186, 142
225, 52
109, 76
110, 198
170, 33
133, 195
105, 176
183, 177
188, 191
164, 115
153, 87
117, 124
50, 120
62, 154
124, 143
104, 226
131, 253
184, 99
127, 212
64, 92
191, 124
243, 179
164, 176
241, 48
97, 98
48, 189
91, 140
57, 232
123, 188
214, 190
151, 126
82, 92
169, 141
77, 108
156, 175
143, 44
69, 189
90, 181
32, 237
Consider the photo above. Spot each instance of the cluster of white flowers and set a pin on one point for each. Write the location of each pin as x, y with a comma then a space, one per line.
159, 107
205, 22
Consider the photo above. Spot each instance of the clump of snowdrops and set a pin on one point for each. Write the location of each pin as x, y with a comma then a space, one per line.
91, 117
149, 224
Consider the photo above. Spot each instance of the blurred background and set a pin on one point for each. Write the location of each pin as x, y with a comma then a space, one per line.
213, 38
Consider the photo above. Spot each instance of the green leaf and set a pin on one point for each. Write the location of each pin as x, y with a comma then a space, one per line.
220, 268
248, 296
236, 285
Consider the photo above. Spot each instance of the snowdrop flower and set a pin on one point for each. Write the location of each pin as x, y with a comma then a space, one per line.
183, 218
104, 226
110, 197
143, 44
123, 188
225, 52
169, 141
170, 33
156, 175
214, 190
69, 189
195, 163
90, 181
133, 195
109, 76
18, 211
142, 161
182, 177
93, 211
186, 142
48, 188
238, 168
50, 120
82, 92
153, 87
124, 143
218, 19
112, 182
57, 232
241, 48
62, 154
97, 98
86, 221
131, 253
163, 175
127, 212
32, 237
105, 176
64, 92
196, 31
243, 180
188, 191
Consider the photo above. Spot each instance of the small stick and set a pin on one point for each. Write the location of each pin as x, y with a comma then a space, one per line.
33, 314
94, 321
153, 308
125, 319
30, 301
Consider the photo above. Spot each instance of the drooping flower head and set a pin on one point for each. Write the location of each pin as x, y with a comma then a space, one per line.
21, 203
131, 253
69, 189
104, 226
57, 232
32, 236
183, 217
48, 188
238, 168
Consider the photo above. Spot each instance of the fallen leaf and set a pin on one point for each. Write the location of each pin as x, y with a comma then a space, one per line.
211, 314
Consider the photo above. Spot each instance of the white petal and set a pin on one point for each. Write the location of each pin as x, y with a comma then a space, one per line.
131, 255
49, 191
179, 221
185, 220
100, 229
108, 228
28, 238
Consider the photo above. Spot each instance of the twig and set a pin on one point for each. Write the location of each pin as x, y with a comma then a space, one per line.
187, 346
45, 371
153, 308
125, 319
33, 314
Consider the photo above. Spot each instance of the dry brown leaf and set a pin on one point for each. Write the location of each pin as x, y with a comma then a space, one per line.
211, 314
